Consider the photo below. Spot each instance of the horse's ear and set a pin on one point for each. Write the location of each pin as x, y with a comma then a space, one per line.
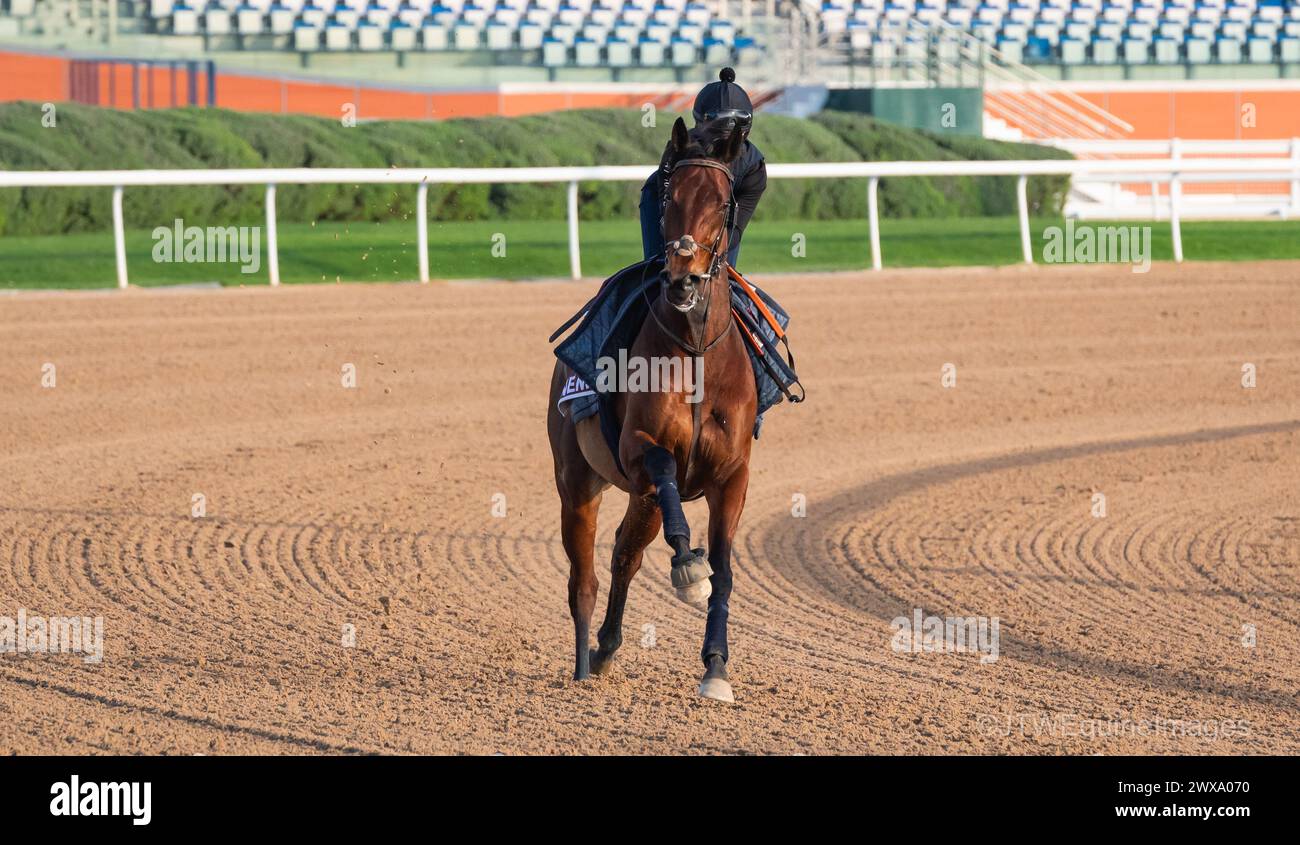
681, 137
732, 147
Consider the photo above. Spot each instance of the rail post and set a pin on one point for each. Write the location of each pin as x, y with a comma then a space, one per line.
1295, 177
873, 220
119, 237
1022, 201
575, 259
272, 248
422, 229
1175, 196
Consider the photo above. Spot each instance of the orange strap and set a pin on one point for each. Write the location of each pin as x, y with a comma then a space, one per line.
762, 306
741, 325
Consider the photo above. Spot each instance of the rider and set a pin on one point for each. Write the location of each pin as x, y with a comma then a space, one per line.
721, 108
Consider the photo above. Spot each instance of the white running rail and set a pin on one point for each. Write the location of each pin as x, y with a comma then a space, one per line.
1111, 201
1186, 146
1174, 172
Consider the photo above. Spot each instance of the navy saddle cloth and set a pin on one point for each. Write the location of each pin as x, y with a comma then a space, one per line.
614, 317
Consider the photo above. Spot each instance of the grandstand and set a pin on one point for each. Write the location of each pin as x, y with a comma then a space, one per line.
1134, 69
552, 33
1071, 38
1116, 33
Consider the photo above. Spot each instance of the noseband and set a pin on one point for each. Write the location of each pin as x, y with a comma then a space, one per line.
687, 247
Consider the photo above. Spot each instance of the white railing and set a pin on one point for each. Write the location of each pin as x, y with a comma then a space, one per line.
1176, 146
1174, 172
1110, 201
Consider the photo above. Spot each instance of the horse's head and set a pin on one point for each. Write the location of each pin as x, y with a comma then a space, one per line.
696, 213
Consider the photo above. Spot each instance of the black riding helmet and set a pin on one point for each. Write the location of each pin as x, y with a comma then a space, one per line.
722, 106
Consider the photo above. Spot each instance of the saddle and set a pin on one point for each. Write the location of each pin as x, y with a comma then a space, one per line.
611, 320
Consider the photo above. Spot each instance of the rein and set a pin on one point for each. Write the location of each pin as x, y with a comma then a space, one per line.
687, 245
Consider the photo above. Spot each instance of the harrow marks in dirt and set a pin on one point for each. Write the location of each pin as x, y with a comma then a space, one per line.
378, 569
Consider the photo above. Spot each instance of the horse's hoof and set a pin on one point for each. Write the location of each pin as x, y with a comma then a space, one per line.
697, 594
601, 663
690, 577
717, 689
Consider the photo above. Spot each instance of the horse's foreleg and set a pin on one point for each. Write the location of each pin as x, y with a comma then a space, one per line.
690, 570
662, 469
725, 506
640, 525
578, 532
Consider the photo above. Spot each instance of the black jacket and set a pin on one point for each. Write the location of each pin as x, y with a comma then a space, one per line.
750, 173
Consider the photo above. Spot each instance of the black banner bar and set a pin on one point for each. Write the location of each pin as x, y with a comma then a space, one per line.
303, 794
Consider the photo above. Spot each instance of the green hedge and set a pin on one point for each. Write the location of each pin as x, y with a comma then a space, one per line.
88, 138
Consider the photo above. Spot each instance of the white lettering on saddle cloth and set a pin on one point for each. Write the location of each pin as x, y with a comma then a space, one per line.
574, 388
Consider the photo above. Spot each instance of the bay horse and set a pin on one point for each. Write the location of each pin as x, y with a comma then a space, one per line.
670, 447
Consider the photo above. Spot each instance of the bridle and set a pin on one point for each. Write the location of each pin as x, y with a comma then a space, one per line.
687, 246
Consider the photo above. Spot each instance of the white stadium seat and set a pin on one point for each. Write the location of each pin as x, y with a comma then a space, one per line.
1228, 51
466, 37
306, 38
554, 53
1198, 50
370, 37
618, 53
433, 37
1259, 50
682, 52
499, 36
185, 21
688, 33
586, 53
402, 37
338, 37
250, 21
281, 20
650, 53
1105, 51
530, 36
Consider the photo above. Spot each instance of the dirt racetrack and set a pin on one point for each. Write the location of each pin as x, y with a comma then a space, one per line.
373, 507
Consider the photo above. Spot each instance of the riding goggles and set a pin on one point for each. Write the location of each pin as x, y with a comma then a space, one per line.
742, 117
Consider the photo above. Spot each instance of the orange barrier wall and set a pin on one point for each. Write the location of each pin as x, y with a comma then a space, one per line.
31, 77
327, 99
41, 78
1208, 115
